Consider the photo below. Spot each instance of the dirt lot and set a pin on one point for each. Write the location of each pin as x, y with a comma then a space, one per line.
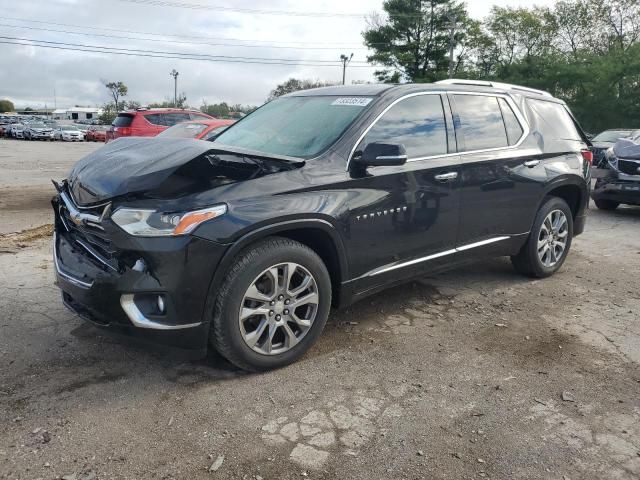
473, 374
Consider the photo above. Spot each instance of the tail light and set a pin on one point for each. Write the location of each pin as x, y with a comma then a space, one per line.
122, 131
587, 156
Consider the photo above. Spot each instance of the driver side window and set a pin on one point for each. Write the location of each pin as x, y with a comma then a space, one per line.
417, 122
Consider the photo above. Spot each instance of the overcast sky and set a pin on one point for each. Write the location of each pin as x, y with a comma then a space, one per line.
29, 75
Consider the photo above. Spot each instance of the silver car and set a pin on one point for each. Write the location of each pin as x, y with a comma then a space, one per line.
68, 133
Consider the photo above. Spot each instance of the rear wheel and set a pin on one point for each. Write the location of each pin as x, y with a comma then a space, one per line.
273, 305
606, 204
549, 241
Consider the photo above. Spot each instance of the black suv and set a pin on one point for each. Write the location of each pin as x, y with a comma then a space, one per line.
318, 198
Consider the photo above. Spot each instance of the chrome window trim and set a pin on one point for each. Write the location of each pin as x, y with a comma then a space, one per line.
519, 116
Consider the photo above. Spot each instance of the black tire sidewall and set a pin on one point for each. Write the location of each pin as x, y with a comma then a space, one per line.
226, 315
554, 203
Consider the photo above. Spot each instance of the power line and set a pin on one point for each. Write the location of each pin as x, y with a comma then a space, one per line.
142, 53
138, 32
182, 42
255, 11
161, 52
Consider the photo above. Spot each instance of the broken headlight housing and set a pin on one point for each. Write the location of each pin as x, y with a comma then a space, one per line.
611, 158
150, 223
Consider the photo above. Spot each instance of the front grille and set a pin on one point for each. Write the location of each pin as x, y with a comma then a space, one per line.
91, 238
629, 167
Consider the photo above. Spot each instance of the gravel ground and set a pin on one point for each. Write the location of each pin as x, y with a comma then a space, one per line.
477, 373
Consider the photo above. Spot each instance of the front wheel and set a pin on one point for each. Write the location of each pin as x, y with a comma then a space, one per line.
549, 241
273, 305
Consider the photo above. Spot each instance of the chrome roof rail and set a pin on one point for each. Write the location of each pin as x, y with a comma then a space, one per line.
483, 83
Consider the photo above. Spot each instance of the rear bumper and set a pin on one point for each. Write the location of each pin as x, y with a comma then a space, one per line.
615, 190
124, 299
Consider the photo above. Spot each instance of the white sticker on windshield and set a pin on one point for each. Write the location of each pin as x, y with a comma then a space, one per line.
353, 101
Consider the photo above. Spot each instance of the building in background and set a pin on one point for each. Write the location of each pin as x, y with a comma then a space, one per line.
77, 113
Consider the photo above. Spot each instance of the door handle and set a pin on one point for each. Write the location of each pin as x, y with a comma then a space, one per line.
446, 177
531, 163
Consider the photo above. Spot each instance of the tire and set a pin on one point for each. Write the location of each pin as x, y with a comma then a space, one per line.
528, 261
606, 204
231, 337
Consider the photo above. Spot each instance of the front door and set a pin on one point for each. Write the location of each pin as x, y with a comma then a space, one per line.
403, 220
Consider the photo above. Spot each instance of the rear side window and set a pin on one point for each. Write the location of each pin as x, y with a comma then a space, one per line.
480, 122
155, 118
167, 119
554, 120
511, 123
122, 121
173, 118
417, 123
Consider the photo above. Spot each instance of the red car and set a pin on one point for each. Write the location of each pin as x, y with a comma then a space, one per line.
96, 133
149, 122
198, 129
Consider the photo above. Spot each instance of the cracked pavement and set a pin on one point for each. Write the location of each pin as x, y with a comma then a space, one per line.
459, 376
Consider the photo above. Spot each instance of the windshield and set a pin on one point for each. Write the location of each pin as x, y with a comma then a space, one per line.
37, 125
295, 126
70, 127
611, 136
183, 130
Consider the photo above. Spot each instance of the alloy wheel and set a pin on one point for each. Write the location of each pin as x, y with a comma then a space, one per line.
552, 239
278, 308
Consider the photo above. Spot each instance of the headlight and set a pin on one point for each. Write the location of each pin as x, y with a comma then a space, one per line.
149, 223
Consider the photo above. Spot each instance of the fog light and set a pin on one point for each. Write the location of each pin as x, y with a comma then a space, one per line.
160, 304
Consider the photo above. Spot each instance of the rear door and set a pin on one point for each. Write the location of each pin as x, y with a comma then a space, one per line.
404, 219
498, 189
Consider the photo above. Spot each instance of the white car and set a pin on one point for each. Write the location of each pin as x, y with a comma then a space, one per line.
68, 133
17, 130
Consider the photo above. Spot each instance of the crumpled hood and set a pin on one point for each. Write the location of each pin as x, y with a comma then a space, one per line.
627, 149
165, 168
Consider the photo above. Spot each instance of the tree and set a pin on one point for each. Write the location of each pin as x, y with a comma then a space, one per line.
412, 40
6, 106
117, 90
181, 102
294, 85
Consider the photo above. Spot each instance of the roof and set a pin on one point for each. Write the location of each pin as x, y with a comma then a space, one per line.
448, 85
366, 89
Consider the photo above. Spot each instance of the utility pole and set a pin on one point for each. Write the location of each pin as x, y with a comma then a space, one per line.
174, 73
452, 31
345, 61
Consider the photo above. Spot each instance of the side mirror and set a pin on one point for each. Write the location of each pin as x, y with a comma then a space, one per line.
379, 154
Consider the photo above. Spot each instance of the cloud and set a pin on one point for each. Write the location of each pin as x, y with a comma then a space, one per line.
30, 74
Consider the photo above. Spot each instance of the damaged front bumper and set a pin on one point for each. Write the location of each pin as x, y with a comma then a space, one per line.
151, 289
616, 186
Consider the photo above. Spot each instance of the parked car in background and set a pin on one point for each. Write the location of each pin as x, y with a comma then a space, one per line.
620, 184
149, 122
38, 131
68, 133
16, 130
605, 140
319, 197
82, 127
96, 133
198, 129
